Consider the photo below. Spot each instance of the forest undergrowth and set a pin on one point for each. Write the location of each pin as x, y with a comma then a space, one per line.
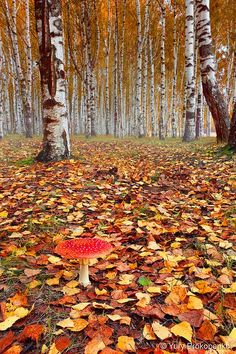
169, 211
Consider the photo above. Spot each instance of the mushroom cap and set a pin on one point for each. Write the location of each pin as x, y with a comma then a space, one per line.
84, 248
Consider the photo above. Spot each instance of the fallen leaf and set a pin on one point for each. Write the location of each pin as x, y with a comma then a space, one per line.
31, 272
160, 331
62, 343
66, 323
126, 343
33, 331
79, 325
194, 303
207, 331
94, 346
148, 332
183, 329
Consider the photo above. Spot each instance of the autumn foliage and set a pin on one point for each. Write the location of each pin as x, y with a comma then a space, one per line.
167, 287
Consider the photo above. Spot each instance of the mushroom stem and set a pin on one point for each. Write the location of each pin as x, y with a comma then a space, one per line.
84, 275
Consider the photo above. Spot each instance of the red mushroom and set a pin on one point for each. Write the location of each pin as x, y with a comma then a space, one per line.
84, 249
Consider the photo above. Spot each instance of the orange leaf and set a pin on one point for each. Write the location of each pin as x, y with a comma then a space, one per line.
32, 331
15, 349
94, 346
207, 331
126, 344
7, 340
18, 300
62, 343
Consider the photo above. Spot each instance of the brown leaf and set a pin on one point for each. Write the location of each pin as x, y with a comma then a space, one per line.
194, 317
207, 331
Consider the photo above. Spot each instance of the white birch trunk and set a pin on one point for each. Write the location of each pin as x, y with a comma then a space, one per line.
145, 64
56, 143
20, 74
152, 89
1, 90
163, 76
189, 133
116, 74
139, 113
199, 118
211, 90
174, 119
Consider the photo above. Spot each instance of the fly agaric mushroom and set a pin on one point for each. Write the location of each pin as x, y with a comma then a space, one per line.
84, 249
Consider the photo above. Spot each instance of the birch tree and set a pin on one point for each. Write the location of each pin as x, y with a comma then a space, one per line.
19, 70
211, 90
1, 89
56, 143
139, 115
189, 132
174, 113
163, 75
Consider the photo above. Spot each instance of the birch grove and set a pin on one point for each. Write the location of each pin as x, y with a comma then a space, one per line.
141, 68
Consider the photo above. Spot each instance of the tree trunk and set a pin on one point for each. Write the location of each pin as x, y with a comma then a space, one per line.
163, 76
140, 118
174, 113
189, 132
56, 143
199, 118
211, 90
232, 133
20, 74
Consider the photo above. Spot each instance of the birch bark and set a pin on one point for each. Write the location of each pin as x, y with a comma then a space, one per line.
189, 132
174, 113
140, 118
211, 89
56, 143
163, 75
20, 74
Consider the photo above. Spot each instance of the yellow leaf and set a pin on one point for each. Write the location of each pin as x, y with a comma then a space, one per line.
20, 312
148, 332
54, 259
160, 331
72, 284
33, 284
53, 349
194, 303
126, 279
123, 301
126, 343
144, 299
233, 333
8, 322
70, 291
3, 214
183, 329
114, 317
100, 292
79, 325
154, 290
52, 281
66, 323
81, 306
98, 305
231, 289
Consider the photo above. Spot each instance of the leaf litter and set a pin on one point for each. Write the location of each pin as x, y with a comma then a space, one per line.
168, 211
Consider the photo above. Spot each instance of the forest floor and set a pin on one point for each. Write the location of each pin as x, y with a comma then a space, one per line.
169, 211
